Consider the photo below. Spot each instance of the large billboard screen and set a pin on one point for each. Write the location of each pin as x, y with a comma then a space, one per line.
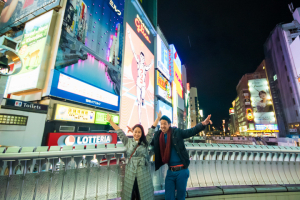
163, 87
162, 57
137, 104
32, 51
261, 101
16, 12
68, 87
165, 109
90, 48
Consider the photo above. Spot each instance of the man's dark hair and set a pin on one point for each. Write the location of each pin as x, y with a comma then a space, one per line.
142, 54
165, 118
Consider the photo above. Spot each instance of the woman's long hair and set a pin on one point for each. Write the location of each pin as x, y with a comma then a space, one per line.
143, 137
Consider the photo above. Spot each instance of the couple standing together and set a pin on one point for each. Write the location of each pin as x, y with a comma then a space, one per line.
169, 149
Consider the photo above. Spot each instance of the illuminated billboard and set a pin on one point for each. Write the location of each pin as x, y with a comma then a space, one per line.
72, 114
266, 126
67, 87
137, 103
16, 12
32, 52
91, 27
261, 101
295, 48
174, 103
163, 87
165, 109
101, 118
162, 57
176, 70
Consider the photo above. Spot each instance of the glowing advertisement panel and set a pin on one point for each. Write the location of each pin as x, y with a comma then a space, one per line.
261, 101
67, 113
174, 99
90, 47
16, 12
175, 69
137, 104
163, 87
67, 87
165, 109
101, 118
162, 57
295, 48
31, 50
265, 126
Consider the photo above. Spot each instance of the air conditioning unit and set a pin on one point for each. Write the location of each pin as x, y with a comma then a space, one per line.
67, 129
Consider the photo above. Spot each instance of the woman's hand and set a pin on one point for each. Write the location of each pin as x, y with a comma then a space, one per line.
129, 129
207, 121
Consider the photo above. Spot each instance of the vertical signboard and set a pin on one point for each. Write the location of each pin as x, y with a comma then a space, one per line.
163, 87
176, 63
295, 48
261, 101
162, 57
137, 101
31, 50
175, 115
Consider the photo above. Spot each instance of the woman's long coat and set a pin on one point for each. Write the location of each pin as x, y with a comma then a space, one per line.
137, 167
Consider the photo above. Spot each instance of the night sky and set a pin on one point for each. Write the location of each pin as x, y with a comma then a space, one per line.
227, 39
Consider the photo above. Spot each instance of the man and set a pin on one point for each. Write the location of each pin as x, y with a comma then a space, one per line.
169, 149
141, 77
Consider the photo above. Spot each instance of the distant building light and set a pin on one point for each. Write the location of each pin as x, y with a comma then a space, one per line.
275, 77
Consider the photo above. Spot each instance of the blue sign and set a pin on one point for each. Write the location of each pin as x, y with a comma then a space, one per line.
68, 87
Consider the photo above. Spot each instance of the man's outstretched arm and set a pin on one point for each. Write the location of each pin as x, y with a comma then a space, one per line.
149, 66
131, 45
199, 127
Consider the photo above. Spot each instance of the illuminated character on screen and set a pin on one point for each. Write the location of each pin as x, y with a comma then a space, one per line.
141, 77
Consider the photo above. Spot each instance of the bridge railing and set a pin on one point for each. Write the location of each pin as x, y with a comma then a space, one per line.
65, 173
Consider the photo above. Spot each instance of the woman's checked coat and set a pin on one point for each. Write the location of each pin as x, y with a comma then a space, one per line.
138, 167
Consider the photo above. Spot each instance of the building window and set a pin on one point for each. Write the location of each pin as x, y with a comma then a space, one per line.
280, 47
288, 78
294, 101
275, 77
297, 113
285, 67
291, 90
7, 119
283, 57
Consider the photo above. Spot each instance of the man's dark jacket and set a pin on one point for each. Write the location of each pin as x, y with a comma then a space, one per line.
178, 143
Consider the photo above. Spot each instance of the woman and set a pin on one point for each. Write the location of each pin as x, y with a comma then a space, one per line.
264, 105
137, 182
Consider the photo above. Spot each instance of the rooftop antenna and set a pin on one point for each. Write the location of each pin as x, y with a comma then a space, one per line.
291, 7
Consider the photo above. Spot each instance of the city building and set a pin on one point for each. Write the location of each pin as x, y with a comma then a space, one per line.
253, 106
282, 64
194, 104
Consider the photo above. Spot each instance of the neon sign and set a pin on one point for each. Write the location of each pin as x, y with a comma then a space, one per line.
113, 5
250, 116
141, 28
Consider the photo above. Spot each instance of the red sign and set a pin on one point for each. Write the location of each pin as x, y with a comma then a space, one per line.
72, 139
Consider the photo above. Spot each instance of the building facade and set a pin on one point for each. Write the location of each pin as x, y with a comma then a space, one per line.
283, 74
